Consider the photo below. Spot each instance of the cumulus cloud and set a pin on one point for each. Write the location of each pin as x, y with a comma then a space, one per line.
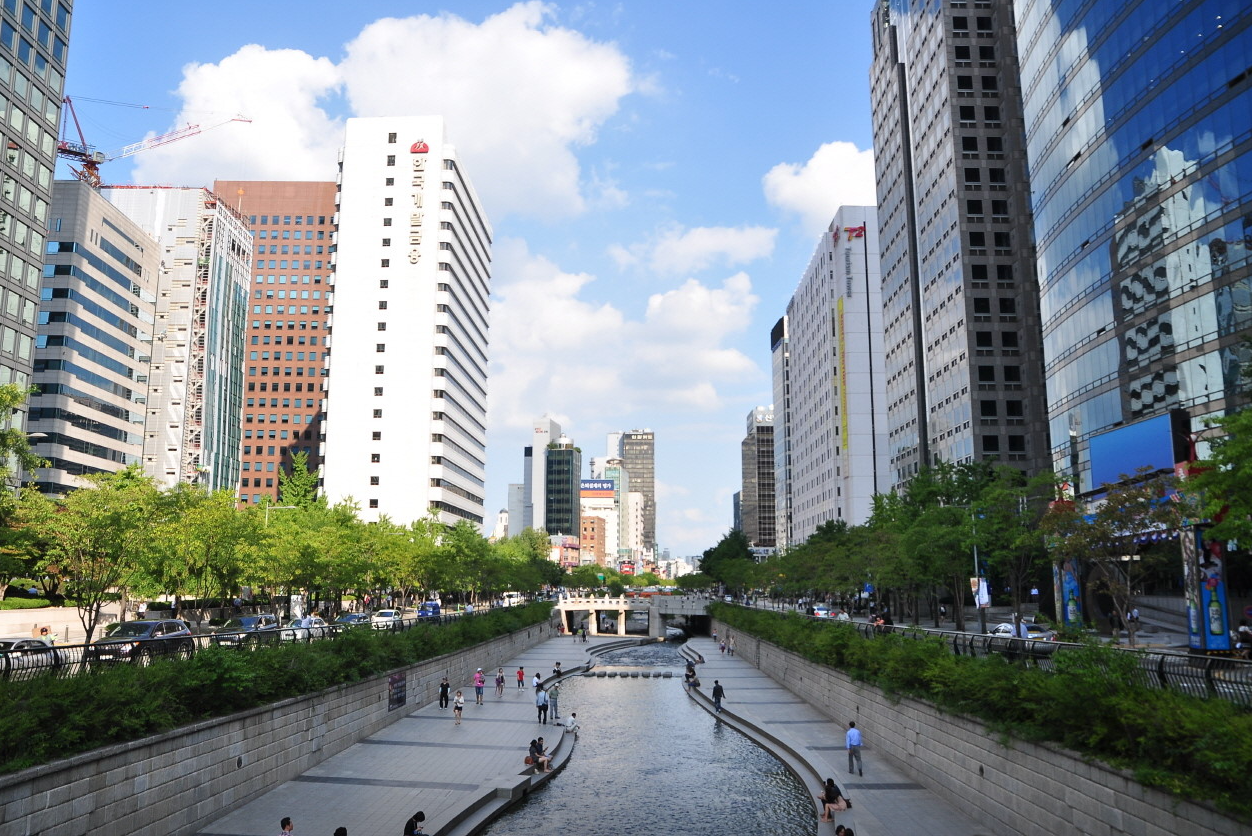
519, 92
552, 346
678, 251
838, 174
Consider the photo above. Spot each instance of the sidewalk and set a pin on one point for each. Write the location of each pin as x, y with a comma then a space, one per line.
423, 761
884, 801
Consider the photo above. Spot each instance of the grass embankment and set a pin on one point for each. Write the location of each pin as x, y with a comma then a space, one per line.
1094, 704
48, 718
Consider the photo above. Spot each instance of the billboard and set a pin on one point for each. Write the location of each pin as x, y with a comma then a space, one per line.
597, 489
1155, 443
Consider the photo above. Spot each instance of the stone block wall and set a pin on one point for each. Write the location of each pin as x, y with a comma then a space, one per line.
171, 784
1012, 786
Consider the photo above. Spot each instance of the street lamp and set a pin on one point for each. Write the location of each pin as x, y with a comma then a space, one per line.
268, 508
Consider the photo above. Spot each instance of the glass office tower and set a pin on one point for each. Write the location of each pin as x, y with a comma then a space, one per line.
1140, 151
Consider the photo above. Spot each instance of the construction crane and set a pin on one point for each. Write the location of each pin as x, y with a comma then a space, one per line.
88, 159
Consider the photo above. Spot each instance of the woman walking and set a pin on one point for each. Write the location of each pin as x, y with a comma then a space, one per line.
500, 682
458, 706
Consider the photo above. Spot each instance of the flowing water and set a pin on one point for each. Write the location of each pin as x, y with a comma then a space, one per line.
650, 761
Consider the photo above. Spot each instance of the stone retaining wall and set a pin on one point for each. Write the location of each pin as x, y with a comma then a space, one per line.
174, 783
1011, 786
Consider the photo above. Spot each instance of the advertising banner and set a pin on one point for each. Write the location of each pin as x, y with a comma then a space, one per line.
397, 691
1204, 583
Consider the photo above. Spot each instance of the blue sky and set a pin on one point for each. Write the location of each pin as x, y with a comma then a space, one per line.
657, 175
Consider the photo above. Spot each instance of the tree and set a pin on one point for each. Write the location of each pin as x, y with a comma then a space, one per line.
1010, 508
14, 442
730, 561
95, 536
298, 485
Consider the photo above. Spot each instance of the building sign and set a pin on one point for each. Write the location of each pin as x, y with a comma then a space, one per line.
419, 147
597, 489
417, 213
842, 359
626, 567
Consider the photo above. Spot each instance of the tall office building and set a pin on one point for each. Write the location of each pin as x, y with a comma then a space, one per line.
598, 501
94, 344
195, 386
836, 416
292, 224
1137, 137
406, 429
33, 46
780, 366
756, 499
563, 487
960, 304
544, 433
638, 453
615, 472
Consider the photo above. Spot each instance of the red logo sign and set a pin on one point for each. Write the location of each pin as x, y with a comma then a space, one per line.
419, 147
855, 231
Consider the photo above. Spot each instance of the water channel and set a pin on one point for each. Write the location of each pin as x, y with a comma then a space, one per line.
649, 760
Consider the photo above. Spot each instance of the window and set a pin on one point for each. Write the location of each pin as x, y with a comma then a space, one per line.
387, 201
376, 436
391, 159
960, 24
969, 144
991, 115
989, 84
385, 262
378, 413
1014, 409
973, 176
391, 139
1004, 272
982, 339
373, 480
973, 208
978, 240
386, 221
987, 409
965, 82
961, 53
390, 181
382, 326
990, 444
1013, 374
378, 391
382, 304
376, 458
378, 370
982, 306
986, 374
987, 53
380, 347
1009, 339
1017, 444
386, 242
373, 503
967, 114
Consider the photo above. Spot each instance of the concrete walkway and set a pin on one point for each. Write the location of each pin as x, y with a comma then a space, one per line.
462, 776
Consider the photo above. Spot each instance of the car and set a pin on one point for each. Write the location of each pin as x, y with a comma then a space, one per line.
386, 619
1033, 631
305, 629
821, 612
729, 599
142, 641
248, 631
353, 619
428, 609
25, 656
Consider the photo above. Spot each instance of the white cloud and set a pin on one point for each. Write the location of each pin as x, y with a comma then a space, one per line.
551, 347
678, 251
520, 94
838, 174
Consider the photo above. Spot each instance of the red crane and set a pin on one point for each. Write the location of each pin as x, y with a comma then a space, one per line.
89, 159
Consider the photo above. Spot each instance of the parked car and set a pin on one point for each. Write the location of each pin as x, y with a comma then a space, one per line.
24, 656
305, 629
821, 612
142, 641
353, 619
428, 609
386, 619
248, 631
1033, 631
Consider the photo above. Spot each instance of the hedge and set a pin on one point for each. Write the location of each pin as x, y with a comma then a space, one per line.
48, 718
1093, 704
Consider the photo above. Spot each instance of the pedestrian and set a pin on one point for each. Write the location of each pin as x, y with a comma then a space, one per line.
573, 634
723, 647
413, 826
584, 634
341, 831
730, 646
853, 742
521, 679
541, 703
444, 688
554, 697
500, 682
718, 693
556, 669
571, 722
714, 634
480, 680
943, 613
832, 800
458, 706
536, 682
286, 827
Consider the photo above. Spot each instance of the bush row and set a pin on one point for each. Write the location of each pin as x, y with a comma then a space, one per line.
1094, 703
45, 719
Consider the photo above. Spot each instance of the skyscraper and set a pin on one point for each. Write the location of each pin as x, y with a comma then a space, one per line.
407, 392
195, 386
638, 452
33, 48
1137, 137
292, 224
836, 416
960, 304
544, 433
563, 487
780, 366
94, 345
756, 499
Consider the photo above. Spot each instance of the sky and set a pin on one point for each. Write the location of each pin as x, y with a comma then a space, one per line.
657, 175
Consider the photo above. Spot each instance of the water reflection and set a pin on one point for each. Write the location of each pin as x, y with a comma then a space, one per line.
649, 760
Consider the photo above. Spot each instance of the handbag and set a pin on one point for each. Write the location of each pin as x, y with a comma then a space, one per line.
848, 802
529, 760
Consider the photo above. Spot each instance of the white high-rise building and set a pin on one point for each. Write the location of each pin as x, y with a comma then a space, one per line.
544, 431
195, 385
836, 413
407, 391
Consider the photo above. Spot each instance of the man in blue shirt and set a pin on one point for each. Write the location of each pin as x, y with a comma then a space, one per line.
853, 742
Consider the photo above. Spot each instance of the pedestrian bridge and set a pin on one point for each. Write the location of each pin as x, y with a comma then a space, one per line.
657, 607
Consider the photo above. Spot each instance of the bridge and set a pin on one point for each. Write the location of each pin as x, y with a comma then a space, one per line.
658, 608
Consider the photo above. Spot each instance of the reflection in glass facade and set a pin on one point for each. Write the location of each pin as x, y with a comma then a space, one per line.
964, 363
1140, 152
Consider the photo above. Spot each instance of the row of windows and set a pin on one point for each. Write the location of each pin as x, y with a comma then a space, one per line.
281, 434
282, 264
266, 371
279, 418
283, 280
287, 309
264, 339
291, 324
286, 220
252, 386
308, 403
288, 234
274, 249
299, 355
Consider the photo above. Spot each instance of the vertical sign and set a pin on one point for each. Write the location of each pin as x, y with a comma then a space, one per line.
842, 359
397, 691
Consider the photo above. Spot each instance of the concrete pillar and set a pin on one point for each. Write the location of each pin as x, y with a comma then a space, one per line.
593, 619
621, 622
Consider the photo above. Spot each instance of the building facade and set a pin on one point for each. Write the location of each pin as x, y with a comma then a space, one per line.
195, 386
292, 224
407, 390
94, 346
563, 487
964, 364
836, 416
780, 368
756, 498
34, 41
638, 453
543, 432
591, 540
1138, 143
599, 501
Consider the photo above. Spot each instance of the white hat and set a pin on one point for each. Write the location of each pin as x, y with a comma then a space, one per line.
480, 670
